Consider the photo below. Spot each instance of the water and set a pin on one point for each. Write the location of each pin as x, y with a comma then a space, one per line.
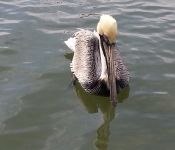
38, 108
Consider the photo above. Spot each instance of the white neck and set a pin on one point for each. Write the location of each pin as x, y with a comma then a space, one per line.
104, 74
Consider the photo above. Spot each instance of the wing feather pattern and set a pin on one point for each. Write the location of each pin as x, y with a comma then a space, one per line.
122, 74
86, 63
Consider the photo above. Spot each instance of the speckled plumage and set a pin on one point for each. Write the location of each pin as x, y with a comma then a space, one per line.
86, 64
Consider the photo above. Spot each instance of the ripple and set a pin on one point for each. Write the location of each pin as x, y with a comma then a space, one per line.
19, 131
49, 31
27, 62
166, 59
7, 51
7, 21
169, 75
5, 68
4, 33
161, 92
168, 51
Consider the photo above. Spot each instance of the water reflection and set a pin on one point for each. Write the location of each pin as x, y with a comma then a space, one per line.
95, 104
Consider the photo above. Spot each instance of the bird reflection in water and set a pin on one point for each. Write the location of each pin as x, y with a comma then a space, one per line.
95, 104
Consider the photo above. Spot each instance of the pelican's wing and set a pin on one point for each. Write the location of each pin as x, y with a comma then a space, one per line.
122, 73
86, 63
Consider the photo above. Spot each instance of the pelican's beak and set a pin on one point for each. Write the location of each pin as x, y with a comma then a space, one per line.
111, 72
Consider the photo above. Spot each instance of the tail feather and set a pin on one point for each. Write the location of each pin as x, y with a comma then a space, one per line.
70, 43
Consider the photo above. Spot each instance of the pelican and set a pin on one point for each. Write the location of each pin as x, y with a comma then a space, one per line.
97, 63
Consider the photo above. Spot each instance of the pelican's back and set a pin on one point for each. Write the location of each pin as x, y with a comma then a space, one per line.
122, 73
86, 63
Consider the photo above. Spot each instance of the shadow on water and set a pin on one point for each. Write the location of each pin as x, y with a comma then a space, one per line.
95, 104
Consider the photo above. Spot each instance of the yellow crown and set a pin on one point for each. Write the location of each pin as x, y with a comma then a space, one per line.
107, 26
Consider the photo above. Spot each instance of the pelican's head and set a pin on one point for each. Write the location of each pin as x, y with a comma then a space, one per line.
107, 26
107, 29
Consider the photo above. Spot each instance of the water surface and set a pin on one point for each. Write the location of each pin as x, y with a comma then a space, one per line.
38, 109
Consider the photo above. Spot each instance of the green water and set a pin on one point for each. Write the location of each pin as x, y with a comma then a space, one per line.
38, 108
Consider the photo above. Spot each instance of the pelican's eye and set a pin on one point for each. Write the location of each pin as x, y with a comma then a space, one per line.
105, 39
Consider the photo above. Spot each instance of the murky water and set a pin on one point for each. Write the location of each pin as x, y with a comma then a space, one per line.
38, 108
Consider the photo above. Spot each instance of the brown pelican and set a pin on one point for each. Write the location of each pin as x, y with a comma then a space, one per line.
97, 63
